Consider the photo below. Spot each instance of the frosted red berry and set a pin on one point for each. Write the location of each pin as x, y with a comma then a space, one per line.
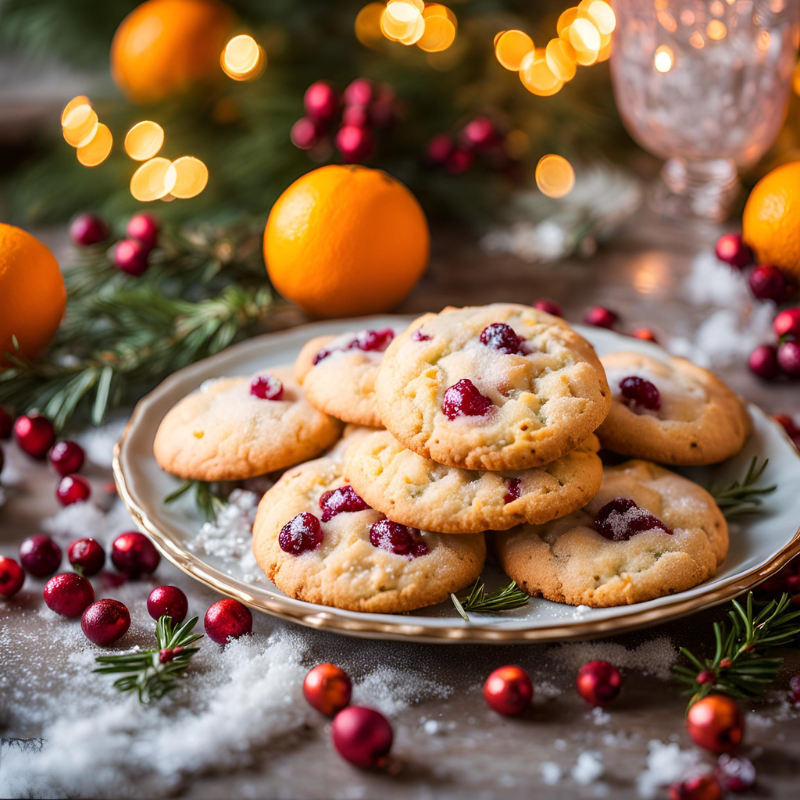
300, 534
86, 556
459, 161
356, 115
601, 317
39, 555
6, 424
763, 361
734, 774
266, 387
88, 229
598, 682
621, 519
549, 307
502, 337
362, 736
227, 619
463, 399
130, 257
508, 690
640, 393
73, 489
767, 282
787, 323
698, 787
67, 457
321, 102
168, 654
11, 577
68, 594
789, 358
105, 622
373, 340
396, 538
35, 434
134, 555
144, 228
706, 676
168, 601
733, 251
328, 689
336, 501
513, 490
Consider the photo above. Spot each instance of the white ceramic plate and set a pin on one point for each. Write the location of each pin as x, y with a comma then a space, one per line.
760, 544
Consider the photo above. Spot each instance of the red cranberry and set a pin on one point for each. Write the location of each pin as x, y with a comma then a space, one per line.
11, 577
763, 362
789, 358
73, 489
354, 143
362, 736
321, 102
699, 787
508, 690
598, 682
305, 133
266, 387
130, 257
168, 601
514, 489
67, 457
549, 307
640, 392
359, 93
601, 317
480, 133
373, 340
732, 250
620, 519
735, 774
321, 356
336, 501
168, 654
300, 534
327, 689
794, 690
439, 150
133, 554
88, 229
459, 161
68, 594
767, 283
464, 399
502, 337
419, 336
86, 556
40, 555
227, 619
105, 622
35, 434
706, 676
787, 323
396, 538
6, 424
144, 229
645, 334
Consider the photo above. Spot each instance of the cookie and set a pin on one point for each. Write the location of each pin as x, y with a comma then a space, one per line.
647, 533
236, 428
338, 374
318, 541
497, 387
351, 434
416, 491
671, 411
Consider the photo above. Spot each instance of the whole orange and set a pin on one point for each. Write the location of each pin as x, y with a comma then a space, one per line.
771, 221
32, 293
346, 240
165, 47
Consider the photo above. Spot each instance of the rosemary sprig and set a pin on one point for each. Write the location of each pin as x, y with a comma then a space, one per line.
208, 502
153, 673
742, 665
743, 497
501, 600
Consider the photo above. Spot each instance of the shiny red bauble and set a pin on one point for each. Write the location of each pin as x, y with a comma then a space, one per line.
86, 556
134, 554
549, 307
715, 723
598, 682
130, 257
88, 229
11, 577
601, 317
354, 143
321, 102
227, 619
73, 489
105, 622
328, 689
168, 601
362, 736
763, 362
35, 434
144, 228
39, 555
508, 690
6, 424
733, 251
700, 787
787, 323
68, 594
67, 457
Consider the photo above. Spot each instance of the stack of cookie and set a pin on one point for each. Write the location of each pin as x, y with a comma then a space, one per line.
475, 425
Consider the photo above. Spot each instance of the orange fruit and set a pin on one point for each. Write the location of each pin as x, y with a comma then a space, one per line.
345, 241
771, 221
32, 293
165, 47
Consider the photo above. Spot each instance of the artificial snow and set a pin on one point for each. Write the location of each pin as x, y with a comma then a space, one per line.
666, 763
98, 443
714, 283
588, 768
551, 772
655, 657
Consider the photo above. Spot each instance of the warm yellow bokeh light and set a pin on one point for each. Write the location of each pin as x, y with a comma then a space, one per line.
696, 40
191, 177
560, 57
153, 180
663, 59
796, 79
554, 176
80, 100
368, 25
242, 59
144, 140
537, 77
511, 47
604, 54
439, 34
584, 37
716, 30
438, 10
600, 14
399, 20
566, 19
96, 151
416, 33
80, 125
418, 4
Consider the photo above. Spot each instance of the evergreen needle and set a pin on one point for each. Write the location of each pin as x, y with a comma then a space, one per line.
501, 600
742, 497
208, 501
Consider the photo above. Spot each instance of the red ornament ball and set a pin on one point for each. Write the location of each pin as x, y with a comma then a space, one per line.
105, 622
598, 682
549, 307
354, 143
789, 358
35, 434
144, 228
700, 787
508, 690
67, 457
328, 689
68, 594
716, 724
735, 774
645, 334
787, 323
168, 601
227, 619
763, 361
133, 554
39, 555
362, 736
73, 489
767, 283
321, 102
733, 251
86, 556
305, 133
11, 577
88, 229
601, 317
130, 257
6, 424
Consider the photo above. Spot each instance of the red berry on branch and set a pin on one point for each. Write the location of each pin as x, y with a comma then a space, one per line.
356, 115
6, 424
35, 434
700, 787
130, 257
327, 689
227, 619
735, 774
105, 622
716, 724
645, 334
733, 251
144, 228
134, 554
67, 457
439, 150
360, 92
459, 161
480, 133
39, 555
321, 102
464, 399
88, 229
601, 317
767, 283
549, 307
11, 577
266, 387
598, 682
706, 676
73, 489
354, 143
168, 601
362, 736
86, 555
508, 690
787, 323
763, 361
305, 134
68, 594
789, 358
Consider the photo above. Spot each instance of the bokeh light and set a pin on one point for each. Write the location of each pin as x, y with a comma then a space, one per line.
368, 25
80, 100
153, 180
560, 58
663, 59
191, 177
400, 19
716, 30
566, 19
511, 47
438, 10
796, 79
96, 151
600, 14
554, 176
416, 33
144, 140
584, 37
439, 34
537, 77
243, 59
80, 125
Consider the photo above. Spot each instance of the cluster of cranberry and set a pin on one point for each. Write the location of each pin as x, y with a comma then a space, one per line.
597, 317
354, 116
130, 254
480, 139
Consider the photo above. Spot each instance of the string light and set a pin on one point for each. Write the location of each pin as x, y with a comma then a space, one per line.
153, 180
80, 125
537, 77
243, 59
96, 151
554, 176
600, 14
511, 47
696, 40
584, 37
566, 19
191, 177
144, 140
416, 33
368, 24
560, 58
663, 59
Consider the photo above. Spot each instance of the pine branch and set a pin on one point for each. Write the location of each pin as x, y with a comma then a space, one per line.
208, 501
743, 497
153, 673
477, 600
742, 665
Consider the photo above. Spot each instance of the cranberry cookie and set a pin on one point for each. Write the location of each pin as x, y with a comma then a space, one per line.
671, 411
647, 533
414, 490
497, 387
318, 541
236, 428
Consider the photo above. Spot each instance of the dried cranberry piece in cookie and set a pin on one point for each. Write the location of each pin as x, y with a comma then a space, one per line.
620, 519
640, 392
464, 399
396, 538
514, 489
335, 501
419, 336
300, 534
323, 354
373, 340
502, 337
266, 387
